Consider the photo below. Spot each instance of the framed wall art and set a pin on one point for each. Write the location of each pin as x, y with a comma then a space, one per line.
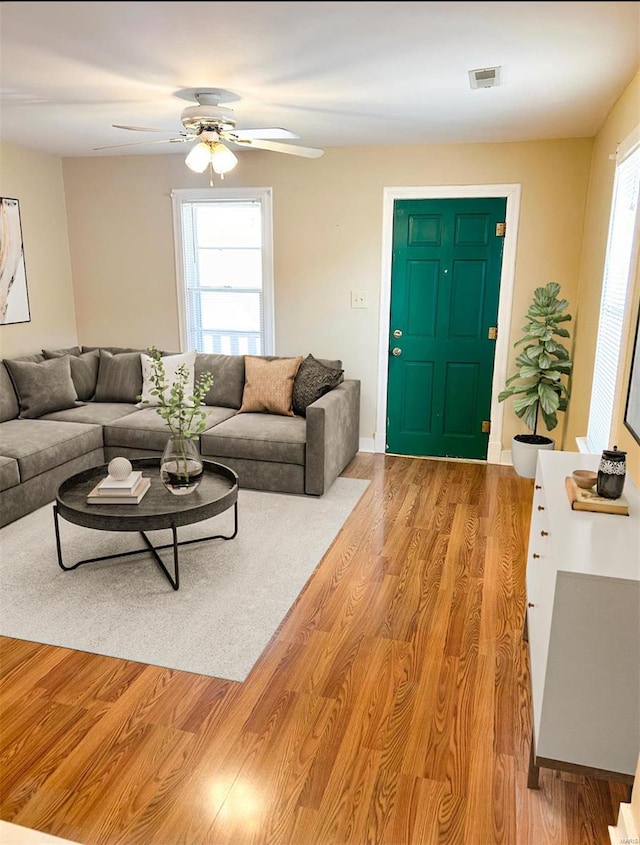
632, 409
14, 298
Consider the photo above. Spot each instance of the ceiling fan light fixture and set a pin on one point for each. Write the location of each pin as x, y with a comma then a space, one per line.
222, 159
211, 154
199, 157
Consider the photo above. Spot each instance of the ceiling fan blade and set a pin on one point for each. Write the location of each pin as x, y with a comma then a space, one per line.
142, 128
272, 134
290, 149
140, 143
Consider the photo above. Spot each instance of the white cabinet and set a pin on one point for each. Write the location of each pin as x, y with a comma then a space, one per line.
583, 626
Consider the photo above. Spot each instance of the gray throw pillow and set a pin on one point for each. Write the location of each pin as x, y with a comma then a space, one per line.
84, 369
313, 380
228, 378
119, 377
9, 408
43, 387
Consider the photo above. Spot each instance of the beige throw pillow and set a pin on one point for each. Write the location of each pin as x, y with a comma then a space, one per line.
268, 385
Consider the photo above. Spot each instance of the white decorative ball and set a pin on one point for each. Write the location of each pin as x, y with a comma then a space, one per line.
119, 468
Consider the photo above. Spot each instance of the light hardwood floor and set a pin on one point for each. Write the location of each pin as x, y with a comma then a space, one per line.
392, 706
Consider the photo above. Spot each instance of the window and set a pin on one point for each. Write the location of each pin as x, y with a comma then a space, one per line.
623, 228
224, 270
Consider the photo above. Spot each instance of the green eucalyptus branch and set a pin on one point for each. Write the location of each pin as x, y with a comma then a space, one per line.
182, 412
537, 386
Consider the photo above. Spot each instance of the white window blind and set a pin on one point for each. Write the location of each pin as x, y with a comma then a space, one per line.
225, 273
623, 229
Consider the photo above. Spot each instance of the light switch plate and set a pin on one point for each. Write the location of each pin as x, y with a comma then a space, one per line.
359, 299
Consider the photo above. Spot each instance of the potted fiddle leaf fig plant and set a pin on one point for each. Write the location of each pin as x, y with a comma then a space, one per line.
181, 466
538, 387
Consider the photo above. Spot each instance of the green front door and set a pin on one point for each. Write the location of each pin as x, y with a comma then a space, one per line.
445, 286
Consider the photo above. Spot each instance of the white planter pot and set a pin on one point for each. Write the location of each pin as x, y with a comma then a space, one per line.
524, 456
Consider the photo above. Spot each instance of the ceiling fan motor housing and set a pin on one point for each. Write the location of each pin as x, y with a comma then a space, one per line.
202, 117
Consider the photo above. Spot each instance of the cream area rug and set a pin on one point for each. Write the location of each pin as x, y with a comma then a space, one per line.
233, 594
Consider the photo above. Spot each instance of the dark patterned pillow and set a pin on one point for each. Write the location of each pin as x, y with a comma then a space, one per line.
313, 380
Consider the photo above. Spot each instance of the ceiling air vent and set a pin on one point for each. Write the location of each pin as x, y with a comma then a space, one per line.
485, 77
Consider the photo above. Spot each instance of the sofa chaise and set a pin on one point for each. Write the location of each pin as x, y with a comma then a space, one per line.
70, 409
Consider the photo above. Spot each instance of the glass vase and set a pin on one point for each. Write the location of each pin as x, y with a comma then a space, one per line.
181, 467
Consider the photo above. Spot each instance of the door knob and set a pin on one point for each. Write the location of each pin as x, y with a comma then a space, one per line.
396, 351
397, 333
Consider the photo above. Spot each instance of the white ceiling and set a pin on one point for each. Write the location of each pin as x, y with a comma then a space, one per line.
336, 74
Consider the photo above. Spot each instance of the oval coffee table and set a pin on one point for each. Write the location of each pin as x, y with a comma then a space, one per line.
159, 509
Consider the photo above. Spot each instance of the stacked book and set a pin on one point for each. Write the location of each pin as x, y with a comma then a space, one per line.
588, 500
111, 491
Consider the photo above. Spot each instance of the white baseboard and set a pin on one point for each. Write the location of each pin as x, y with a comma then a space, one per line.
505, 458
494, 452
367, 444
380, 442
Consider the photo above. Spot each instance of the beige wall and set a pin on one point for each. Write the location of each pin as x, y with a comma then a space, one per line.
36, 180
624, 117
327, 239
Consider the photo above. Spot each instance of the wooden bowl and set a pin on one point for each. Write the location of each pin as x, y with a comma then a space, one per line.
585, 478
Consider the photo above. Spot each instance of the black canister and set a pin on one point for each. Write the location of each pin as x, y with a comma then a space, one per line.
611, 473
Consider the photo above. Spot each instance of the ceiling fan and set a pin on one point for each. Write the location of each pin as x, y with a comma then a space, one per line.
210, 124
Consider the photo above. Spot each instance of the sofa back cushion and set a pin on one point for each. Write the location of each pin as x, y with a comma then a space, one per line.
58, 353
228, 378
114, 350
42, 387
84, 369
35, 358
9, 408
119, 377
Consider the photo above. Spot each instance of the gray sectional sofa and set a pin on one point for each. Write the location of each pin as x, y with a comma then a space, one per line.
41, 445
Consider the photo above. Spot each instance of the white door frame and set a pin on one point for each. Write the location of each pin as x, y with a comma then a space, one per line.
507, 281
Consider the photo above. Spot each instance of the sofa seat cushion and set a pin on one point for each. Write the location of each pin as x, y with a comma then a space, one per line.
147, 430
40, 445
9, 473
98, 413
264, 437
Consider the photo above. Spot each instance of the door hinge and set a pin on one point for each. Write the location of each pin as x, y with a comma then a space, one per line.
486, 426
492, 334
501, 229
